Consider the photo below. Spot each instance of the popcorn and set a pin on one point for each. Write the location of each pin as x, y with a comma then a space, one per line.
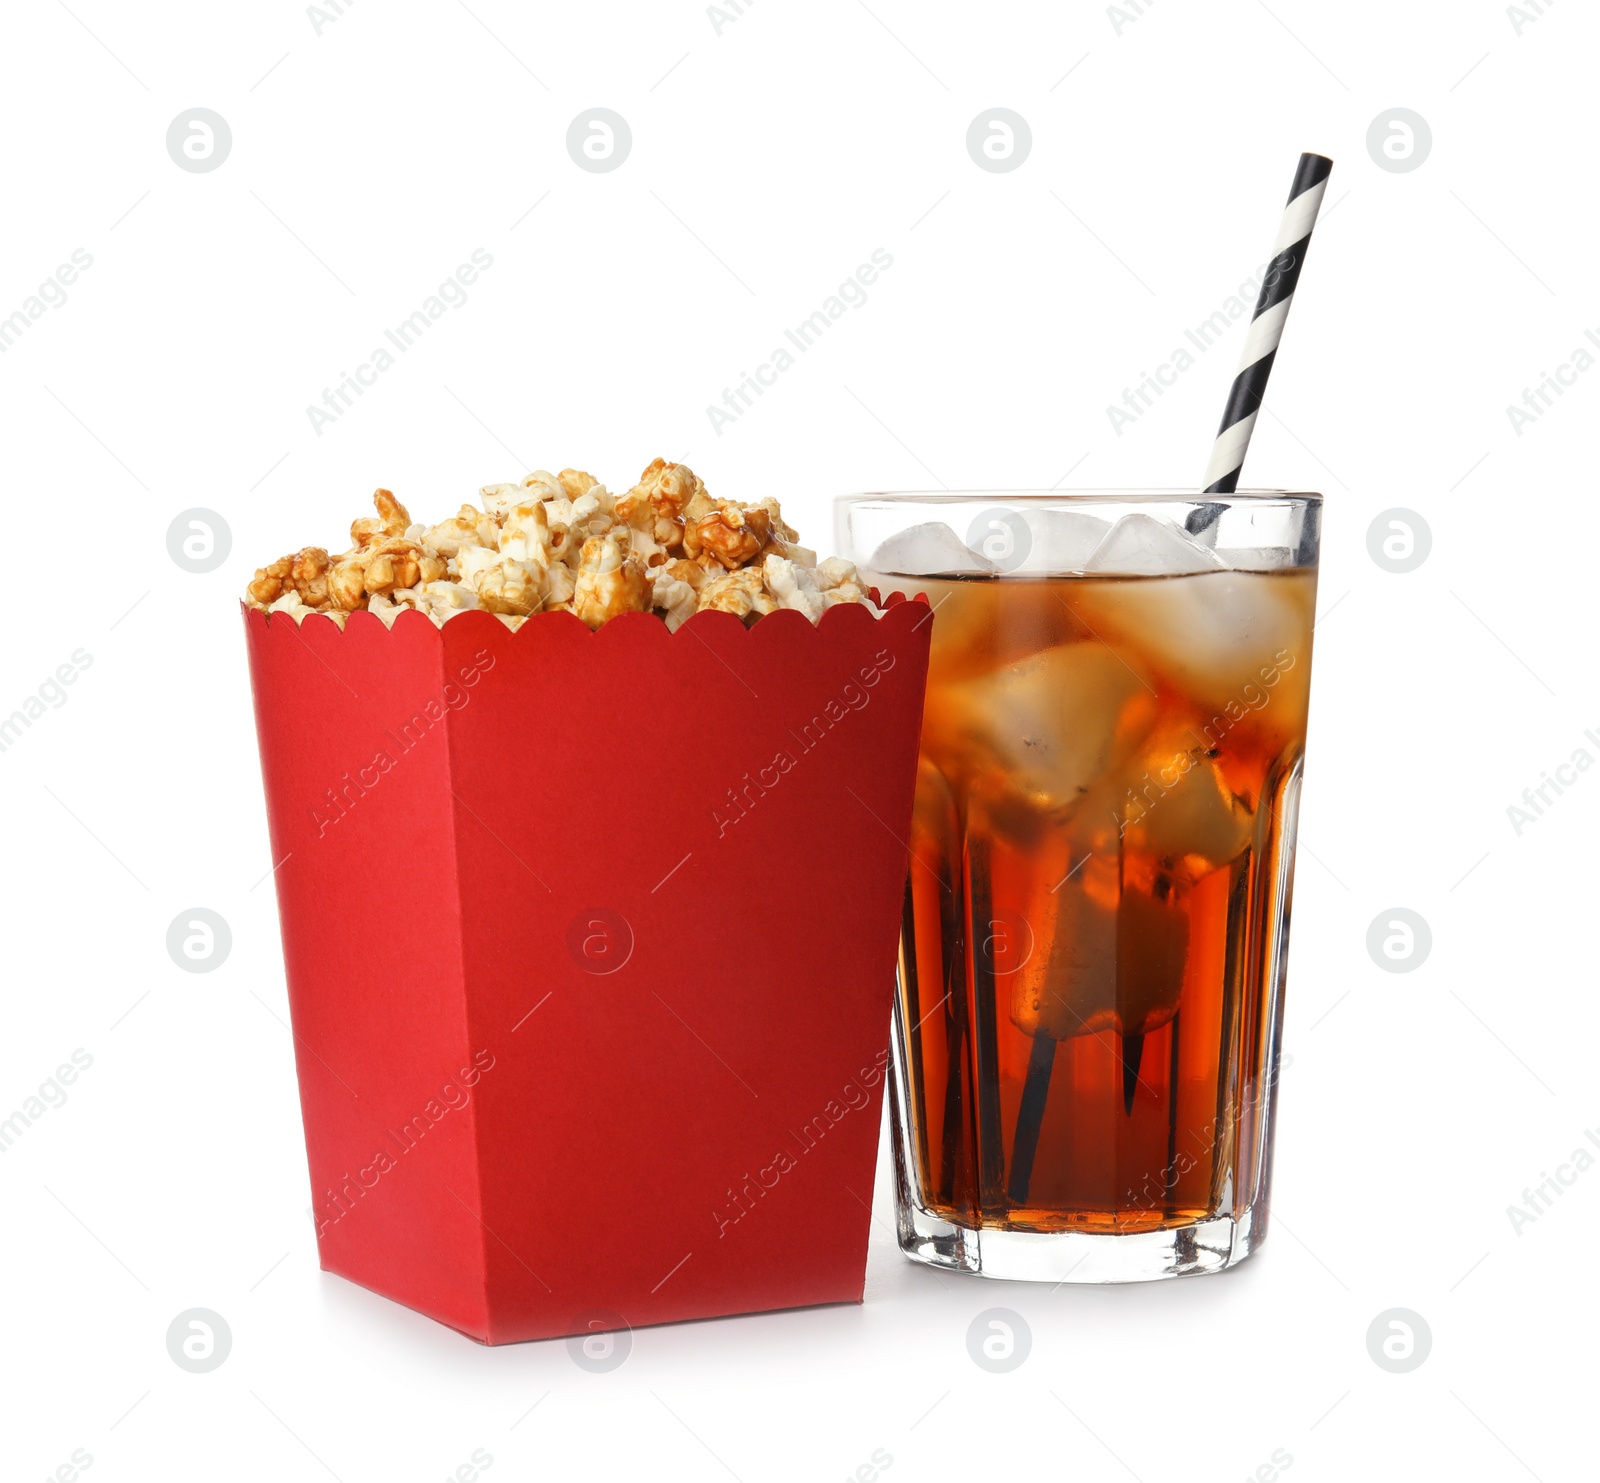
497, 499
793, 586
303, 575
741, 593
775, 518
440, 599
501, 583
377, 568
839, 582
385, 610
687, 571
558, 517
576, 484
563, 543
592, 514
667, 488
730, 534
525, 536
290, 603
392, 520
563, 583
468, 527
672, 597
609, 581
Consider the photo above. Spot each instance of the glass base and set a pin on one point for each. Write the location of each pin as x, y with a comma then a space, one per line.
1070, 1256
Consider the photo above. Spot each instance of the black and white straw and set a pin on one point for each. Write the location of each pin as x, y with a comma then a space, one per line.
1266, 327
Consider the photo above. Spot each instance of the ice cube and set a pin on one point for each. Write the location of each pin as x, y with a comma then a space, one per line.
1063, 540
1258, 558
979, 625
1105, 957
928, 550
1041, 730
1142, 546
1173, 803
1068, 985
1237, 643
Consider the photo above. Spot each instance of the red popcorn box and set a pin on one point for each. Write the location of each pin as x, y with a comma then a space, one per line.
590, 941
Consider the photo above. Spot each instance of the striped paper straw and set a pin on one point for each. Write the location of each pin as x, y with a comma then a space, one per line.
1266, 327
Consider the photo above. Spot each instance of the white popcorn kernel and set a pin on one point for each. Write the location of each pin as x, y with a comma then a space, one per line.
834, 572
384, 610
543, 484
441, 600
563, 583
793, 586
502, 583
525, 536
674, 598
590, 516
799, 555
497, 499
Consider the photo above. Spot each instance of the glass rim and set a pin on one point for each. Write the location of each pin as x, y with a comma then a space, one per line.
1132, 495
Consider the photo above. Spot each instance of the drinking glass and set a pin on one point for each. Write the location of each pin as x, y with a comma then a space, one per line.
1102, 852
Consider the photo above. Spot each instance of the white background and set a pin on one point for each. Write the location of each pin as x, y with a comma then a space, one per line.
768, 161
